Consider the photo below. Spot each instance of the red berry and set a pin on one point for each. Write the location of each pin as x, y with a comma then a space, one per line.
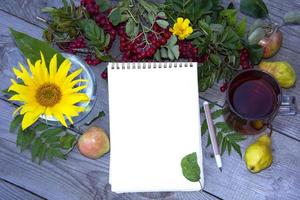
104, 75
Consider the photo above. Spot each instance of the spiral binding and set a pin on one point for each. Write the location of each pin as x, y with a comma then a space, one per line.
148, 65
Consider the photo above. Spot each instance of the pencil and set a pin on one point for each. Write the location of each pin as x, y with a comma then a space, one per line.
212, 134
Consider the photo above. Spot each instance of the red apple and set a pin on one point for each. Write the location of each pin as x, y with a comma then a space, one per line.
94, 143
271, 44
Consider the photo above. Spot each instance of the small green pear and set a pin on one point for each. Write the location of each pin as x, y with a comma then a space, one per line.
282, 71
258, 155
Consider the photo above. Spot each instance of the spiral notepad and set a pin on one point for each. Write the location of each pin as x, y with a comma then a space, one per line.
154, 123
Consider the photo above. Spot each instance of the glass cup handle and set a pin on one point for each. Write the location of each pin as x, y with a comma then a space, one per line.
288, 105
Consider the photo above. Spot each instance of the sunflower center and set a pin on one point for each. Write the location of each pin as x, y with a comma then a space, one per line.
48, 95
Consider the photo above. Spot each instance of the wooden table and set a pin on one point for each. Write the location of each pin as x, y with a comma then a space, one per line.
82, 178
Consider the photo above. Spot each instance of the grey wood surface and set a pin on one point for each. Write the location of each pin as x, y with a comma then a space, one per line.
10, 191
81, 178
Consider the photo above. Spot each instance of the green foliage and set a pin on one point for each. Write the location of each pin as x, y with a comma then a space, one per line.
227, 138
62, 26
104, 5
96, 36
139, 16
194, 10
254, 8
222, 39
190, 167
32, 47
43, 140
169, 51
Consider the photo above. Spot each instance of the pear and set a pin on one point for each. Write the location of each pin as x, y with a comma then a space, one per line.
282, 71
258, 156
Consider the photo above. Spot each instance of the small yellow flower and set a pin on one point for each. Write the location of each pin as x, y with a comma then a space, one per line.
51, 92
182, 28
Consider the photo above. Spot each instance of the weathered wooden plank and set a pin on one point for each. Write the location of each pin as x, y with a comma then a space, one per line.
277, 8
11, 192
281, 180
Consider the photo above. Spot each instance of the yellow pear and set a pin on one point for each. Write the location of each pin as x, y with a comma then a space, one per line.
258, 155
282, 71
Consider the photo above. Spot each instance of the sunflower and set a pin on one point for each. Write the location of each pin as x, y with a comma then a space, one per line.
50, 92
182, 28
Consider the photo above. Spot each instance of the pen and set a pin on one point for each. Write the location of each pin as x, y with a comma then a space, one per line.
212, 134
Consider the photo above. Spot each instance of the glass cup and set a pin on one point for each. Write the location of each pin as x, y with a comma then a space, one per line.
253, 100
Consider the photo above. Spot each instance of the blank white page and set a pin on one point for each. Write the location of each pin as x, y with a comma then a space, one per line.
154, 123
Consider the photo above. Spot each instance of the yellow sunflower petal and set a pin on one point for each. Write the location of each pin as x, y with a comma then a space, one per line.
62, 71
53, 67
73, 75
74, 90
73, 83
31, 66
43, 68
75, 98
31, 117
59, 116
26, 78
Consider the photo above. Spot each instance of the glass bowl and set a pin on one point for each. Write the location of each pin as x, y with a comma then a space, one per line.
90, 91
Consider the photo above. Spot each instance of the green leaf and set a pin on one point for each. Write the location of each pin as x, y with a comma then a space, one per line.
42, 152
257, 35
190, 167
171, 56
162, 23
27, 138
208, 142
15, 123
19, 137
172, 41
157, 55
91, 30
204, 127
35, 148
292, 17
103, 5
237, 148
31, 48
219, 138
194, 35
41, 127
52, 132
115, 16
223, 126
52, 139
215, 59
217, 27
256, 53
229, 149
223, 146
163, 52
230, 15
67, 141
257, 23
241, 27
254, 8
54, 152
175, 51
162, 15
217, 113
130, 25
